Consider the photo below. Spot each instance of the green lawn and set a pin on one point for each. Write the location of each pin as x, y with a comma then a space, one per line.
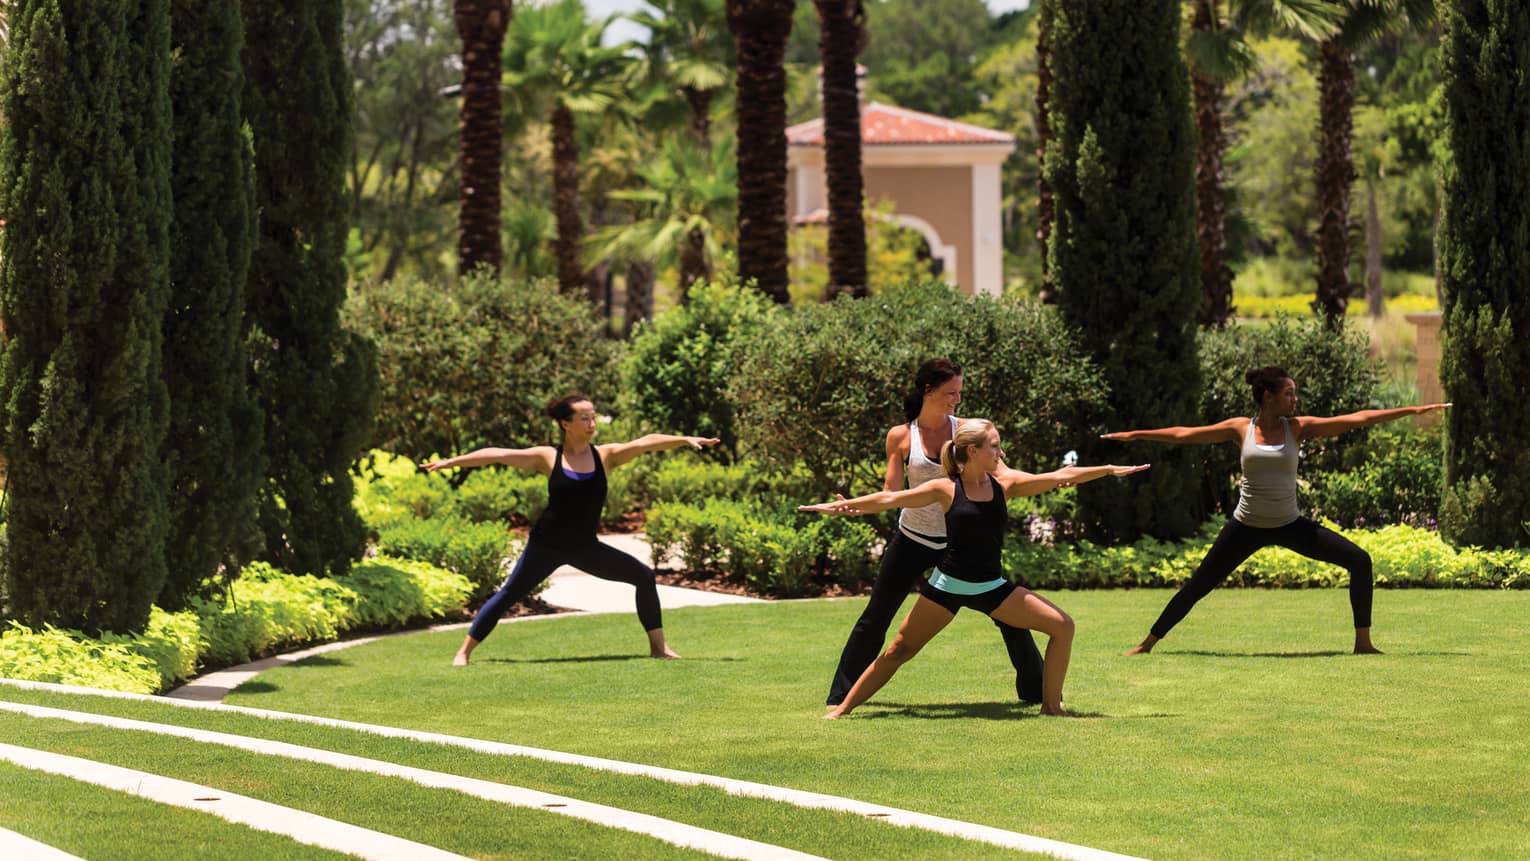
1250, 733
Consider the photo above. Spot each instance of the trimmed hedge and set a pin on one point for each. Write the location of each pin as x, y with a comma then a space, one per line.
266, 611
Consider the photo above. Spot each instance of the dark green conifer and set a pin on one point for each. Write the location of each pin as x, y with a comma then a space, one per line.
1122, 254
1485, 273
213, 450
85, 150
315, 382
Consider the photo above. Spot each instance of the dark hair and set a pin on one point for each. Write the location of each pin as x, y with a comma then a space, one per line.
1266, 379
930, 374
563, 408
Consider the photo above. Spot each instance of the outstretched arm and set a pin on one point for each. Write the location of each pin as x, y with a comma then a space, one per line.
617, 453
1313, 427
1227, 431
935, 490
538, 458
1017, 483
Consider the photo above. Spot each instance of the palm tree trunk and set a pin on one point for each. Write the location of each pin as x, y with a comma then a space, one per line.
1044, 137
1374, 299
760, 29
1335, 175
701, 119
1210, 225
481, 24
693, 262
639, 289
841, 24
566, 200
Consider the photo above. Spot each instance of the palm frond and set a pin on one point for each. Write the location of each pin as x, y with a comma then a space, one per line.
1221, 55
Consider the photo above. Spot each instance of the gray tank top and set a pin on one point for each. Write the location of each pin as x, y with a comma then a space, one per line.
929, 521
1267, 491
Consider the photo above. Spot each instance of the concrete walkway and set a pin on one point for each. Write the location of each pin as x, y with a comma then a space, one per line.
567, 588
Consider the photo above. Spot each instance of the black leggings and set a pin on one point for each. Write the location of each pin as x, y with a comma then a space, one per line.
903, 565
1237, 542
539, 560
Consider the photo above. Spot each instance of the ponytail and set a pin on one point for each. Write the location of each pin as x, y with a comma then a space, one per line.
930, 374
953, 455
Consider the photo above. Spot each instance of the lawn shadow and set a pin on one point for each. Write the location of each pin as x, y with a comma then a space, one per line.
255, 686
320, 661
1201, 653
1008, 710
592, 659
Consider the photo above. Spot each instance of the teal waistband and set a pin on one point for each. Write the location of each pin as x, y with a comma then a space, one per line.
946, 583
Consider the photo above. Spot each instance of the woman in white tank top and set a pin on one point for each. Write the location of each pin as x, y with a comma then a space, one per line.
1267, 514
913, 457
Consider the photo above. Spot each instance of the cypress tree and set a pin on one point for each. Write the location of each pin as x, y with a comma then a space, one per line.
85, 149
315, 382
1122, 254
1485, 273
214, 442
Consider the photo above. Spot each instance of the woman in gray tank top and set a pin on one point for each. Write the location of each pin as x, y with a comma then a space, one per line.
920, 539
1267, 514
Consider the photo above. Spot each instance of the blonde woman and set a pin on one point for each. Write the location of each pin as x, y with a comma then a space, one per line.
972, 494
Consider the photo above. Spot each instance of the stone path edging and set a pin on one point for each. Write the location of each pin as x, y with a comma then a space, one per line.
13, 845
795, 797
666, 830
300, 825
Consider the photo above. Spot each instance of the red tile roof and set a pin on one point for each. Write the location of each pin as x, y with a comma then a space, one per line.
883, 124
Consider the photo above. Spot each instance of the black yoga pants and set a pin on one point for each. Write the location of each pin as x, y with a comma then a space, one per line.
539, 560
1236, 542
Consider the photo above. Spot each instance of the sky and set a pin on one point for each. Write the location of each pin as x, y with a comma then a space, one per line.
626, 31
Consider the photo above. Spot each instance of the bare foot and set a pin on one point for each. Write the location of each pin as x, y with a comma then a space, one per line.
1138, 650
664, 652
1367, 649
836, 714
461, 660
1363, 642
1055, 711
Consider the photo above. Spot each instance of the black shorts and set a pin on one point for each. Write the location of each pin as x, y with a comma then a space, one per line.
985, 602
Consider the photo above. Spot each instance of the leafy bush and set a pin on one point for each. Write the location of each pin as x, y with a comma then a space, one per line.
1397, 481
172, 641
477, 551
1334, 374
1401, 556
267, 610
69, 658
474, 363
678, 365
823, 385
392, 593
773, 552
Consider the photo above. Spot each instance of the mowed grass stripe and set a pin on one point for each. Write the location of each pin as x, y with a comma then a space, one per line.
13, 845
93, 822
299, 825
715, 843
827, 832
446, 819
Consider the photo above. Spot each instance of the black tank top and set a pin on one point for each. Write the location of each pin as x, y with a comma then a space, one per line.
573, 505
975, 536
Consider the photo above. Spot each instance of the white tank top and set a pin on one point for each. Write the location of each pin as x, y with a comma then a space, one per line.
1267, 491
929, 522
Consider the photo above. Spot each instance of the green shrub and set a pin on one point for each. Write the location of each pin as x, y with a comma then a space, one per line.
69, 658
172, 641
1396, 481
391, 593
1334, 374
824, 383
678, 366
474, 363
266, 611
500, 495
477, 551
775, 552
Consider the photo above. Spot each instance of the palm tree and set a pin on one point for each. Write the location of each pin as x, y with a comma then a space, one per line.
685, 203
554, 61
1363, 21
482, 25
690, 50
1218, 54
841, 34
760, 29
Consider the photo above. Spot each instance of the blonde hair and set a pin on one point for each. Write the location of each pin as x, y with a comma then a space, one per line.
953, 455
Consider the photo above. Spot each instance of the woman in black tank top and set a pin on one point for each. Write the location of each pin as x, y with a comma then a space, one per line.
910, 554
565, 533
970, 574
